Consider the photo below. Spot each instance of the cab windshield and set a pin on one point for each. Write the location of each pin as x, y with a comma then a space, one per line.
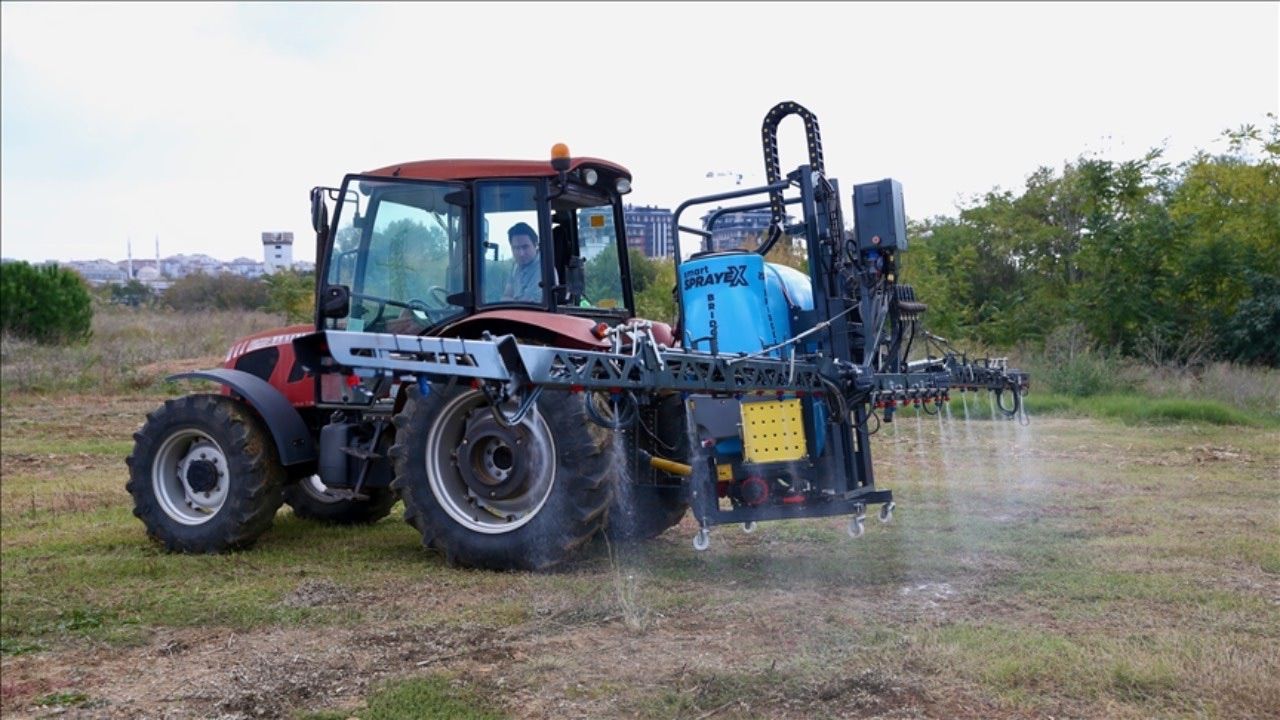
400, 249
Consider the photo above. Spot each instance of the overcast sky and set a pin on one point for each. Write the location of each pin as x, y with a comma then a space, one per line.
206, 124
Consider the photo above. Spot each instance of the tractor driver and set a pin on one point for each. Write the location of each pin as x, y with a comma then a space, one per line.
525, 283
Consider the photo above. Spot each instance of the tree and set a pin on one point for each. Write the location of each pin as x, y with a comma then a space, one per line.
657, 300
291, 293
133, 293
47, 304
200, 292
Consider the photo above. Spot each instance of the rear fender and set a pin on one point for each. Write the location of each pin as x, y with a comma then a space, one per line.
544, 327
293, 439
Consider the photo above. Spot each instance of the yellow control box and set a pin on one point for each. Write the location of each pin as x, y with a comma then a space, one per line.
773, 431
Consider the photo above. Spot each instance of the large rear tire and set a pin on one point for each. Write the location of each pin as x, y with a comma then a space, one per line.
641, 511
204, 475
313, 500
488, 496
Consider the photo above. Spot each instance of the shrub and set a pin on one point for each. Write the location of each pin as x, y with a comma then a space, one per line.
48, 304
200, 292
291, 294
1074, 367
1252, 334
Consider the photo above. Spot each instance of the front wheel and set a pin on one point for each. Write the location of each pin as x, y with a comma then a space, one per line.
204, 475
497, 497
313, 500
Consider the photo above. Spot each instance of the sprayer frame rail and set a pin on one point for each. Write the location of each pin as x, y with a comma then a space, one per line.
503, 360
707, 510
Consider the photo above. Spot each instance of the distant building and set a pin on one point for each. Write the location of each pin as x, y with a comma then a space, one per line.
277, 250
738, 229
246, 267
137, 267
97, 272
649, 230
178, 266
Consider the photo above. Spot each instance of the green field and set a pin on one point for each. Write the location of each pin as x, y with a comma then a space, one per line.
1076, 567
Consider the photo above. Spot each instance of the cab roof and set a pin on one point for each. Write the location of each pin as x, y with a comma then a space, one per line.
473, 169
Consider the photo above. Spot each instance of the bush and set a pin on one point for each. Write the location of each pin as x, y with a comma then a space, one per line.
292, 294
1074, 367
1252, 334
200, 292
48, 304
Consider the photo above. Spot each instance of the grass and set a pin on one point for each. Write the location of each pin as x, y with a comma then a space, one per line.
1131, 408
1137, 409
1070, 567
1115, 558
130, 350
429, 698
63, 698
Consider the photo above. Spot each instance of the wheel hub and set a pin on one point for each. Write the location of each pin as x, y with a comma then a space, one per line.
488, 477
202, 476
495, 461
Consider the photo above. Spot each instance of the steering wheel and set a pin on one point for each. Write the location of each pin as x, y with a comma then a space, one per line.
439, 294
422, 308
413, 304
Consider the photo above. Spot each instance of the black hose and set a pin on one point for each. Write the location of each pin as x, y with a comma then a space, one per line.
625, 411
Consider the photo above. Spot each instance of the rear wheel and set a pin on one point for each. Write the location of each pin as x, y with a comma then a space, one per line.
313, 500
642, 511
491, 496
204, 475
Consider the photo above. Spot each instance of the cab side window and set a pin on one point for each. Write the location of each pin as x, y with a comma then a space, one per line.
510, 269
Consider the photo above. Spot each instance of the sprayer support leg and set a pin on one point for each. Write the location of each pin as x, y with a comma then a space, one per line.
702, 540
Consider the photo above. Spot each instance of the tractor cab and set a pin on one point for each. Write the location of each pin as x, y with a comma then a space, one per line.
422, 247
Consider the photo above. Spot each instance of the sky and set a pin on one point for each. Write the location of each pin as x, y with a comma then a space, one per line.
204, 125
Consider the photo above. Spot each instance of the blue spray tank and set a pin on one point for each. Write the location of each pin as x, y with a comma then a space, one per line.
735, 302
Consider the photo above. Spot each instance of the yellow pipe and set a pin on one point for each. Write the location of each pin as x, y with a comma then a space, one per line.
670, 466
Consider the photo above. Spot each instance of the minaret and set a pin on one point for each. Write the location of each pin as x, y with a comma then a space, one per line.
157, 255
129, 246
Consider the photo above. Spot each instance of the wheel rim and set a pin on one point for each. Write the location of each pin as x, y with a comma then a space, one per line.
488, 478
190, 477
318, 491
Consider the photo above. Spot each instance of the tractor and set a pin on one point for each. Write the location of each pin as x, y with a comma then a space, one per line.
475, 353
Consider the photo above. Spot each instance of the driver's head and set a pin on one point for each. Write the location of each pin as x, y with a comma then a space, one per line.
524, 243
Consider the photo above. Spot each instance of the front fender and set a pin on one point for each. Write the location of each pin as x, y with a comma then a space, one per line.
293, 439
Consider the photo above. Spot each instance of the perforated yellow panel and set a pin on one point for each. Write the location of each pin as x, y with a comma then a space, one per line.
772, 431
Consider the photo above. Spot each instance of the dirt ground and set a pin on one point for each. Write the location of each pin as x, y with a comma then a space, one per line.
947, 612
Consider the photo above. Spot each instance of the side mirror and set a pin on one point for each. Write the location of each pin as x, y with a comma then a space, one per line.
319, 211
335, 301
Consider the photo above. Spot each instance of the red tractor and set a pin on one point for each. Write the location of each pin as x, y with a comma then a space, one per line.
475, 354
438, 247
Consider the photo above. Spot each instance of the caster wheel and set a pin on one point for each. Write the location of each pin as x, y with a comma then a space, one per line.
856, 527
749, 527
886, 512
702, 540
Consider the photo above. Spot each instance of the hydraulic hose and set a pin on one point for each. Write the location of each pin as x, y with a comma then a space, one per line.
665, 465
